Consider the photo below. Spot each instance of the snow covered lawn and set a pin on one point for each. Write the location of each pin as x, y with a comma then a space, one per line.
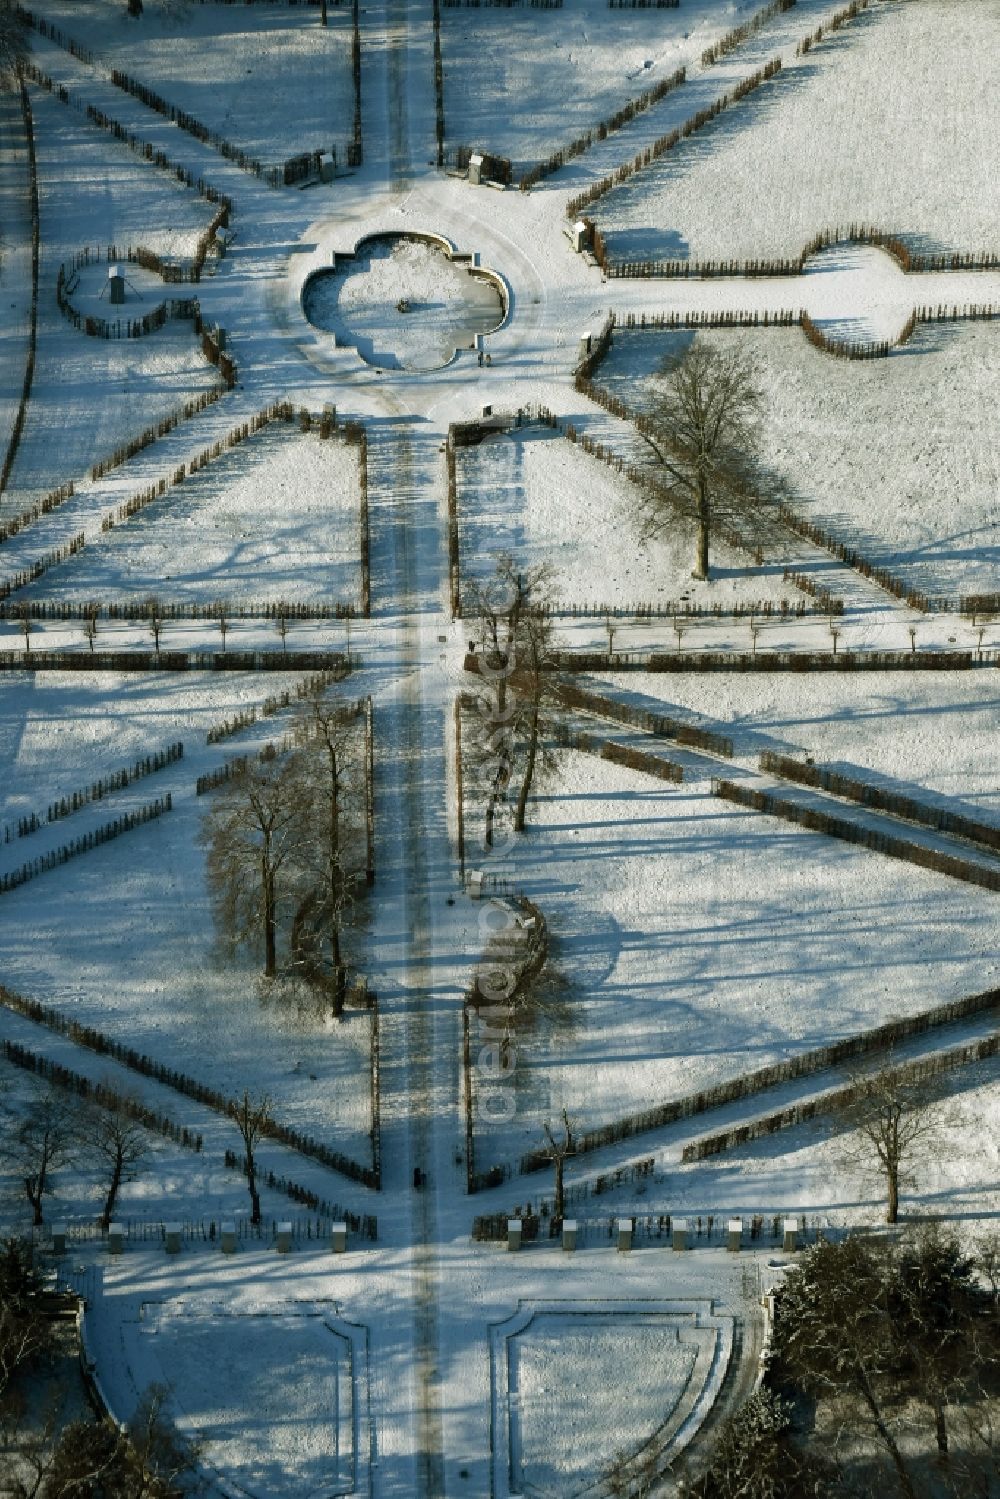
694, 942
269, 79
90, 394
279, 1420
895, 456
534, 494
123, 937
277, 518
556, 73
935, 731
830, 143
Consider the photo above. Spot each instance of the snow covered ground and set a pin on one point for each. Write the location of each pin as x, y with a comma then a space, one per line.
277, 519
217, 61
67, 934
692, 941
895, 457
924, 730
827, 144
533, 494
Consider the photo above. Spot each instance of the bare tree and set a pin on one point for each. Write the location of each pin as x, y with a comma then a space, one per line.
281, 625
13, 40
154, 620
891, 1120
251, 832
120, 1145
90, 626
514, 612
25, 621
252, 1117
331, 787
322, 12
42, 1141
558, 1151
704, 432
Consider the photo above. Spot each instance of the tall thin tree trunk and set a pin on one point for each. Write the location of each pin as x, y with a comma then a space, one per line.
560, 1195
529, 769
905, 1481
252, 1188
704, 517
112, 1197
892, 1208
270, 944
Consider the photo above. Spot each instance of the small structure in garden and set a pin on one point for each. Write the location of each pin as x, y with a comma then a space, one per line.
116, 286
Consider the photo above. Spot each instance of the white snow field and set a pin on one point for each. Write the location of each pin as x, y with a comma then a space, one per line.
691, 941
91, 394
912, 160
171, 992
535, 495
277, 519
895, 456
219, 61
694, 942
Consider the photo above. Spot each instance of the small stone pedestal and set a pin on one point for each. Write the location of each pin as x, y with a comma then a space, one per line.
116, 1238
569, 1233
338, 1237
624, 1230
790, 1238
679, 1233
58, 1238
734, 1235
229, 1238
513, 1233
172, 1238
284, 1238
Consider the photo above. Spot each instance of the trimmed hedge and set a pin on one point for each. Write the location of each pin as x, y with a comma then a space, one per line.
816, 820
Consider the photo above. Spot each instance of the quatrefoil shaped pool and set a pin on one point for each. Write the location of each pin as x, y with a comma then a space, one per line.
405, 301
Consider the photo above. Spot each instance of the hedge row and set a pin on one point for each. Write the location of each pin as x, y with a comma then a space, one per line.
748, 1084
358, 1223
816, 820
139, 147
150, 434
307, 687
101, 1094
52, 501
851, 557
42, 863
438, 84
881, 800
229, 770
40, 566
278, 411
156, 661
116, 780
672, 139
155, 102
107, 1097
834, 24
691, 736
741, 34
620, 754
29, 364
165, 609
614, 122
685, 609
920, 1070
211, 1098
